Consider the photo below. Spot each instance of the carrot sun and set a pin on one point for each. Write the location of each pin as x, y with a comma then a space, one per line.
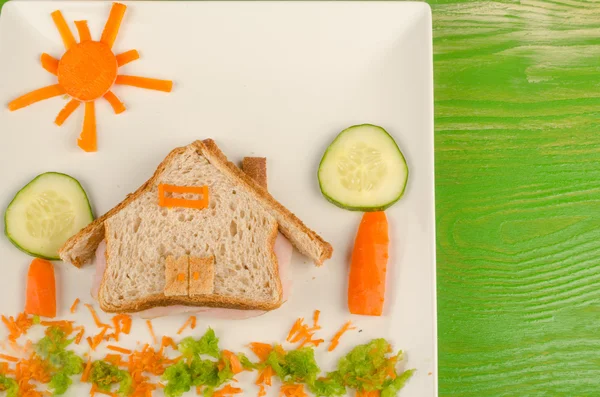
86, 72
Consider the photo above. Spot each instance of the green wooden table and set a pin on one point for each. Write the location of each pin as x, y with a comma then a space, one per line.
517, 114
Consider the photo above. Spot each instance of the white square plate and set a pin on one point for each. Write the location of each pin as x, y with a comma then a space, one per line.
274, 79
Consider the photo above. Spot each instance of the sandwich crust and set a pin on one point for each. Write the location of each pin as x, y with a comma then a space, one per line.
80, 248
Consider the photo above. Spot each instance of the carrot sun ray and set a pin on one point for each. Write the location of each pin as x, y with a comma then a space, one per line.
65, 33
127, 56
64, 114
49, 63
84, 31
36, 96
86, 72
111, 29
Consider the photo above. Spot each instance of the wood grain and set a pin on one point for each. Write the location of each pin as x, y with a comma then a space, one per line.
518, 197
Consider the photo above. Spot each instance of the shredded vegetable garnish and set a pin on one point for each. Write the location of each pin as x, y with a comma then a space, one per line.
300, 332
48, 366
74, 306
336, 339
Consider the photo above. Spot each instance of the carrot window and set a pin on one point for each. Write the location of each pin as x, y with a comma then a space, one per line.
165, 201
86, 72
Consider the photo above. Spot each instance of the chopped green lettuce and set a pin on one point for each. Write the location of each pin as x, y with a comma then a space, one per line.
208, 344
330, 386
9, 385
59, 383
104, 375
392, 387
179, 380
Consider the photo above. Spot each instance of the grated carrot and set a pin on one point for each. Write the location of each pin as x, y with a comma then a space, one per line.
261, 350
228, 390
372, 393
296, 328
8, 358
261, 391
292, 391
191, 321
99, 323
17, 327
336, 339
118, 349
76, 303
79, 336
316, 319
168, 341
126, 57
234, 362
64, 325
86, 372
115, 359
265, 376
301, 333
151, 329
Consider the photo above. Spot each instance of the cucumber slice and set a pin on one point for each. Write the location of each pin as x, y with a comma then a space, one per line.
363, 169
45, 213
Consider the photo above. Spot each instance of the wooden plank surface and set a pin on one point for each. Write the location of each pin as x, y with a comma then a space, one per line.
517, 87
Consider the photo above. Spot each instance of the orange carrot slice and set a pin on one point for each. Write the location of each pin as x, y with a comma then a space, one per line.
35, 96
49, 63
111, 29
87, 139
115, 102
83, 30
366, 287
64, 114
88, 70
41, 289
145, 82
126, 57
65, 33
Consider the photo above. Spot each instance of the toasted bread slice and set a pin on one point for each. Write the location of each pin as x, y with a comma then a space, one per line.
80, 248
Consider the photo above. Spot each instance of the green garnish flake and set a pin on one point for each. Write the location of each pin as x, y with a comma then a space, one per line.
104, 375
179, 379
207, 345
53, 343
329, 386
9, 385
59, 383
246, 363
